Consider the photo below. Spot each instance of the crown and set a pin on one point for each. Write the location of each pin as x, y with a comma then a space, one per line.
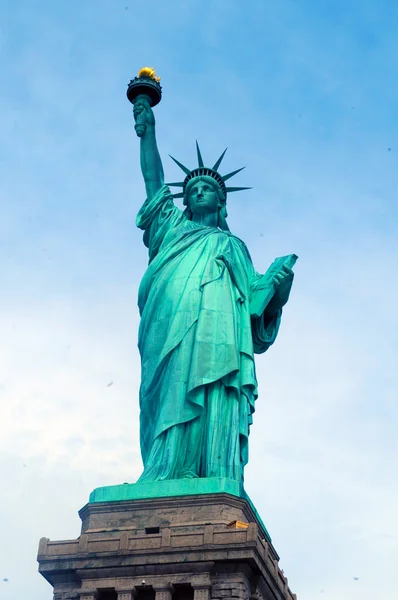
201, 171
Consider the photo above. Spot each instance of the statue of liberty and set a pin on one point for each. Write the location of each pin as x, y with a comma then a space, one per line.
205, 312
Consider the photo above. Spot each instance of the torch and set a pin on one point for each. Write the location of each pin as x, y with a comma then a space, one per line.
145, 86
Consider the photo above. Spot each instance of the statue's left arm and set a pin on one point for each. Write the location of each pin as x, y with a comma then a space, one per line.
265, 325
282, 282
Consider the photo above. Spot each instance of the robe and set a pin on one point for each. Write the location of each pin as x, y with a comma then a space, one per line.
197, 341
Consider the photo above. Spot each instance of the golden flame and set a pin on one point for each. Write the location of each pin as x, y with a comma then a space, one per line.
148, 72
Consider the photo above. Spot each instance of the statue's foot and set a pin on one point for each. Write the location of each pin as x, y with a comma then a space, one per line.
188, 475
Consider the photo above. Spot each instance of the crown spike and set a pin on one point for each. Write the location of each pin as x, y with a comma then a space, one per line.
180, 195
218, 163
176, 184
185, 169
200, 159
229, 175
237, 189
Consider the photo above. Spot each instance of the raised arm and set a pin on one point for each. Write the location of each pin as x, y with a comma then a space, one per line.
151, 164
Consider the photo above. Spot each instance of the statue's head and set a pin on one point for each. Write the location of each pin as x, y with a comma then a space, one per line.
202, 194
204, 189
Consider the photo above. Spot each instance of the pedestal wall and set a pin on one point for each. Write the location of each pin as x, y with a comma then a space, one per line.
205, 547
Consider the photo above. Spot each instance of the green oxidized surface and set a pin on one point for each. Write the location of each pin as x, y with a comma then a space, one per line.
205, 311
163, 489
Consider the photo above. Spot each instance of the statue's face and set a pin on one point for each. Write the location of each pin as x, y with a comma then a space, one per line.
203, 197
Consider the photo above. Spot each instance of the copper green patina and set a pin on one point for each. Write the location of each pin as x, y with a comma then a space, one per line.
205, 311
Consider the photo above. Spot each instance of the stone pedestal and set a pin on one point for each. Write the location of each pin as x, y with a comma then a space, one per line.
197, 547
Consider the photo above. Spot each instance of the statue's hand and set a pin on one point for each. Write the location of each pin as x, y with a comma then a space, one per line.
143, 115
283, 283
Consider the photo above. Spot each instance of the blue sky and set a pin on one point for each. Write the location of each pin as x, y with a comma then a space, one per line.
305, 95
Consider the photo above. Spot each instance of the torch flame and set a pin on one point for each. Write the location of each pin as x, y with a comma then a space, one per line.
148, 72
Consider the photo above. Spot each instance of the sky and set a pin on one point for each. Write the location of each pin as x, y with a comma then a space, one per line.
305, 95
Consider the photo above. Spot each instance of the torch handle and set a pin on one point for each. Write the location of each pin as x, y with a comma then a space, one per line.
140, 121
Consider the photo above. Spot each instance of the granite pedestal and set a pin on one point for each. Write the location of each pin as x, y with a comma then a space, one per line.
198, 546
